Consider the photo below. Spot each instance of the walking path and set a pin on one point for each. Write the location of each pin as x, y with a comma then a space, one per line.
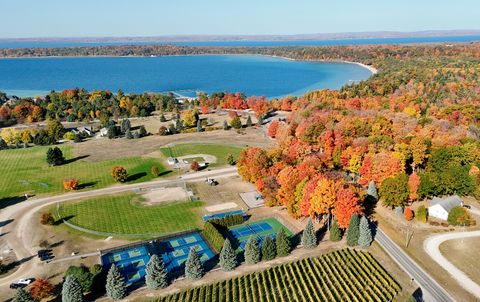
431, 247
17, 232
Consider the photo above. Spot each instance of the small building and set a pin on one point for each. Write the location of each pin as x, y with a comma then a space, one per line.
440, 207
172, 161
103, 132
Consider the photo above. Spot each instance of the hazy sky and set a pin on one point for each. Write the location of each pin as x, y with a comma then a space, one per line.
74, 18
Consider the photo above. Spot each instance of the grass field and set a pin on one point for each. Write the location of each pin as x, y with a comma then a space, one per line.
219, 151
463, 253
344, 275
26, 171
125, 214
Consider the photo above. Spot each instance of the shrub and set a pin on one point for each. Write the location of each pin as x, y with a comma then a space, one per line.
162, 130
228, 257
128, 134
70, 184
230, 159
55, 156
112, 131
408, 214
142, 132
353, 231
195, 166
236, 123
213, 236
119, 174
69, 135
268, 249
252, 251
309, 237
422, 214
115, 287
41, 289
193, 266
47, 218
459, 216
154, 171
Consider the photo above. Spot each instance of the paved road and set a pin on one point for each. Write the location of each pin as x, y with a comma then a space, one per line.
16, 218
431, 247
432, 291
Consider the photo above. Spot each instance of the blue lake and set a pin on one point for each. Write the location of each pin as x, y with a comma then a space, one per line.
253, 75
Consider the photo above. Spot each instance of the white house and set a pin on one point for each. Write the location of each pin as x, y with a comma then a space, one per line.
439, 208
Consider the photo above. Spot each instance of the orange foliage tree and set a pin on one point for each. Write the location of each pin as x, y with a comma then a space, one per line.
413, 185
408, 213
70, 184
253, 164
347, 205
272, 128
41, 289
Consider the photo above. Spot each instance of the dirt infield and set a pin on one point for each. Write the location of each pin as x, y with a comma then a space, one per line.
159, 195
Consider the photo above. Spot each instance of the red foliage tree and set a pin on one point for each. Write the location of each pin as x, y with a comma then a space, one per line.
253, 164
70, 184
41, 289
409, 214
272, 128
413, 185
347, 205
195, 166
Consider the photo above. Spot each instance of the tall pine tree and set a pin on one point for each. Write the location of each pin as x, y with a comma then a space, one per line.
309, 237
335, 232
115, 287
283, 244
372, 190
252, 251
228, 257
353, 231
268, 249
156, 273
365, 237
72, 290
193, 266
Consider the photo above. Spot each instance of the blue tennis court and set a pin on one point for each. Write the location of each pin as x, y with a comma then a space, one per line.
131, 262
174, 251
260, 230
222, 215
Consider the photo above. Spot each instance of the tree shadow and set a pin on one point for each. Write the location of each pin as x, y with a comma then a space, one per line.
87, 185
10, 201
16, 263
136, 176
369, 204
58, 243
3, 234
5, 222
61, 220
71, 160
164, 173
418, 294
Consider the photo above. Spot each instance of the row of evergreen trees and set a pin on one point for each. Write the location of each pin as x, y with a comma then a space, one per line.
358, 232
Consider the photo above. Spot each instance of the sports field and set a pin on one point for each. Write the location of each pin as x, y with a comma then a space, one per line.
131, 262
259, 229
217, 150
26, 171
125, 214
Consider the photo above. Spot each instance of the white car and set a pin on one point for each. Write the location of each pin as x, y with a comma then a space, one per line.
25, 281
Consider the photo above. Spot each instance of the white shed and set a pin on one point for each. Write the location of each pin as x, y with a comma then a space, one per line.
439, 208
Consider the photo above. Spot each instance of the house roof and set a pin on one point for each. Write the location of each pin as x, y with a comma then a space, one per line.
447, 203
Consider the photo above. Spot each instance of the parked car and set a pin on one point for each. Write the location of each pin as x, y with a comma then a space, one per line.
45, 254
467, 206
22, 283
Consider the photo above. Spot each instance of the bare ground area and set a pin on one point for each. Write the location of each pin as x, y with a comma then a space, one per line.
104, 149
159, 195
463, 254
397, 231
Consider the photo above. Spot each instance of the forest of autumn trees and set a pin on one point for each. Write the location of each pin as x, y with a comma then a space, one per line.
413, 128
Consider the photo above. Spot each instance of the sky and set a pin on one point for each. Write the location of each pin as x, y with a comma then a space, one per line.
92, 18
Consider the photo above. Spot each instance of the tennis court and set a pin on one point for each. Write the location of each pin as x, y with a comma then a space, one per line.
174, 251
259, 229
224, 214
131, 262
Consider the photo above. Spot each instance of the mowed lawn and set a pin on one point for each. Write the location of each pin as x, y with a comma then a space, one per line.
26, 171
217, 150
125, 214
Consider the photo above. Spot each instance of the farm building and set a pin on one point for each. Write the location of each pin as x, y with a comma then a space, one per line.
439, 208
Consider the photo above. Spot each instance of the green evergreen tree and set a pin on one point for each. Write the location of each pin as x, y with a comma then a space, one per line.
372, 190
365, 236
252, 251
112, 131
283, 243
193, 266
115, 287
22, 296
335, 232
228, 257
249, 121
156, 273
162, 118
260, 120
55, 156
230, 159
225, 125
141, 131
128, 134
309, 237
268, 249
236, 123
72, 290
353, 230
3, 144
125, 125
199, 126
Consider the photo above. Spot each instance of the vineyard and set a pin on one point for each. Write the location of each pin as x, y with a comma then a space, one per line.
344, 275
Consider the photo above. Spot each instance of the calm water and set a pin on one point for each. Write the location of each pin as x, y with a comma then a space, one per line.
439, 39
253, 75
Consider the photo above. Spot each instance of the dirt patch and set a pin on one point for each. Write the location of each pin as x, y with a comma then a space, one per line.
159, 195
221, 207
